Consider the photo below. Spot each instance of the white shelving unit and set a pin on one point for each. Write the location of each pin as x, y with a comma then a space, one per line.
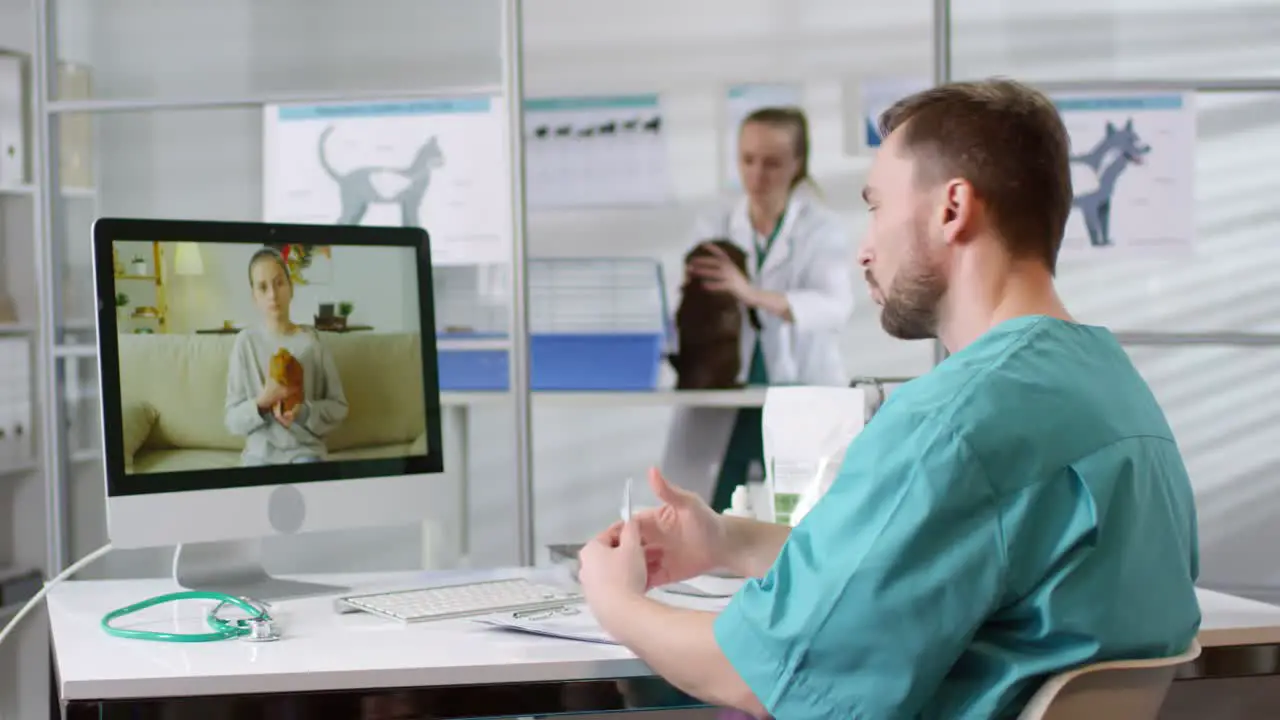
17, 224
22, 483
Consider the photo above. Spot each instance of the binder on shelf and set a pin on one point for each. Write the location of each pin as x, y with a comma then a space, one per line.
8, 308
75, 157
13, 134
16, 449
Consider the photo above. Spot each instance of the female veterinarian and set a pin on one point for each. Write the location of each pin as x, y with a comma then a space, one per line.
801, 291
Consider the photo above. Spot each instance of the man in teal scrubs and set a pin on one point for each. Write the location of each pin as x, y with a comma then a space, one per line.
1020, 510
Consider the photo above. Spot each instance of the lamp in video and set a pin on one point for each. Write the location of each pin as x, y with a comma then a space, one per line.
238, 355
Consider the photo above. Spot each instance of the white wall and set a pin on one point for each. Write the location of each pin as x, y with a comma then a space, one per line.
380, 282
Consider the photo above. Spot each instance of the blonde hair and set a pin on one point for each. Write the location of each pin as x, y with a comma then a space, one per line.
793, 119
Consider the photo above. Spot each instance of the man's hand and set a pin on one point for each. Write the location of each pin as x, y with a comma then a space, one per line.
682, 539
619, 566
612, 568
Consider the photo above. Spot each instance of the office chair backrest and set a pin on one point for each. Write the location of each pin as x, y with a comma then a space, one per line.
1121, 689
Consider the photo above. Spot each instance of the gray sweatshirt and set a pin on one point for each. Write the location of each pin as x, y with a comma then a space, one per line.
267, 442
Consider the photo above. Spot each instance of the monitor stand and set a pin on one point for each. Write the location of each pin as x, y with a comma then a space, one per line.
235, 568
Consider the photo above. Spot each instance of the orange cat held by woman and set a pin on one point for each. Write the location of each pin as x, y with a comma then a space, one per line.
287, 371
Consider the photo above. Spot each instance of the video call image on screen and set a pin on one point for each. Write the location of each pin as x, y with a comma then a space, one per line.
234, 354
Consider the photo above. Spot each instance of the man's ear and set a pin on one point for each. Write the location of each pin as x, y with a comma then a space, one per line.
959, 209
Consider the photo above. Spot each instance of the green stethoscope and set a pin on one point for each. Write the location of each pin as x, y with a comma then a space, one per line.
258, 627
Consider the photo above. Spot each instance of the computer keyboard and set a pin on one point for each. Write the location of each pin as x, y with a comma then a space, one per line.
465, 600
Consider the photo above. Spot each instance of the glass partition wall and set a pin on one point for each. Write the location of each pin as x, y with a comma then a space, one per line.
145, 112
587, 447
157, 112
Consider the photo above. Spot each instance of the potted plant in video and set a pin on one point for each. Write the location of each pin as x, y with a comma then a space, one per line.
333, 316
122, 301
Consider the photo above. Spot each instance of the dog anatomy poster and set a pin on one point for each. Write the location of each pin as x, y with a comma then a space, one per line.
866, 100
436, 163
595, 151
1132, 172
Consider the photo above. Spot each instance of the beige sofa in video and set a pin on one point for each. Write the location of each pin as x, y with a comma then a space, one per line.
173, 389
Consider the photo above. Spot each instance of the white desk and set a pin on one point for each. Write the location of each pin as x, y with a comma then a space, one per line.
325, 651
320, 651
1230, 621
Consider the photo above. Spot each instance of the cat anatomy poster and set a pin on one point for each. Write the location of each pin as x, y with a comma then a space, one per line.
436, 163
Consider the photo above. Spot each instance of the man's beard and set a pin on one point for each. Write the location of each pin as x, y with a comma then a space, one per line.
911, 304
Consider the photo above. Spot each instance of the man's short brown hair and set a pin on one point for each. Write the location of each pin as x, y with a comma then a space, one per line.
1005, 139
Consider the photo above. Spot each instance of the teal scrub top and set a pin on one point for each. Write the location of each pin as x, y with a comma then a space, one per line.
1020, 510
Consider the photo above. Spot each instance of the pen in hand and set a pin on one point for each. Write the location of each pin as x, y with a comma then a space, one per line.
625, 511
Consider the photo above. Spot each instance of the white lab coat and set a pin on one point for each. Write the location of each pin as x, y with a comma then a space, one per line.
811, 262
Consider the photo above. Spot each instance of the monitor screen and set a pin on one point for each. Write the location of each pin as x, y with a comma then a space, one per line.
279, 355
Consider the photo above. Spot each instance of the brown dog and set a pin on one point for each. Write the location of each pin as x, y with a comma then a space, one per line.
709, 328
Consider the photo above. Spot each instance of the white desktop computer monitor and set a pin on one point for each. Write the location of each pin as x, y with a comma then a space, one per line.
263, 379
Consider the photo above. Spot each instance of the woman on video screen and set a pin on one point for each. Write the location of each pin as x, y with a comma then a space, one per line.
283, 390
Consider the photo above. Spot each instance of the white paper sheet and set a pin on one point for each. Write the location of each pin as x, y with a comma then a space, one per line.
572, 622
706, 586
577, 622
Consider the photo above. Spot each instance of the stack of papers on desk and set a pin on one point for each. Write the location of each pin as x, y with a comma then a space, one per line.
576, 622
571, 622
